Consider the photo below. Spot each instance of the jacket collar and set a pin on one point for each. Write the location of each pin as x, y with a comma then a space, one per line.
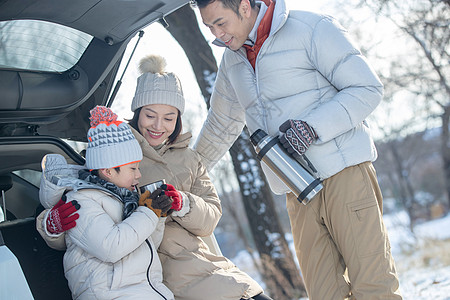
253, 34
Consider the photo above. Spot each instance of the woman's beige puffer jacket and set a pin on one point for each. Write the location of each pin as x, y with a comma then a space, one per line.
191, 270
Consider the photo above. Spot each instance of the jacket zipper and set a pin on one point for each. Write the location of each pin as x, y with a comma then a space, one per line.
256, 82
148, 270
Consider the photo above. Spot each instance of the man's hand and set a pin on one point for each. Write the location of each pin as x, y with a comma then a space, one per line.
61, 217
297, 137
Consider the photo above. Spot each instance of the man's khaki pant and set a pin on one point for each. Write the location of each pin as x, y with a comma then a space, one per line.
341, 241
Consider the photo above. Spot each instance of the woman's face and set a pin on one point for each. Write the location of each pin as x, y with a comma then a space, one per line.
157, 122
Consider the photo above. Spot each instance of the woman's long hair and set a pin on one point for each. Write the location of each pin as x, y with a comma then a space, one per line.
178, 126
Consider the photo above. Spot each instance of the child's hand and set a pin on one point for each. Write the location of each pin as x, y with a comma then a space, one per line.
61, 217
157, 201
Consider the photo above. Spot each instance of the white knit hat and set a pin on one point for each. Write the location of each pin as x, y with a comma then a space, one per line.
110, 142
155, 86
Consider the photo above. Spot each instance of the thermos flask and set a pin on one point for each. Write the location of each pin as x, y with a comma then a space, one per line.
300, 181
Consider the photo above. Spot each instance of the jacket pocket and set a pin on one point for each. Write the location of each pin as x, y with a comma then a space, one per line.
368, 230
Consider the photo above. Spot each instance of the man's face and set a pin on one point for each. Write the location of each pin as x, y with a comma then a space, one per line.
226, 25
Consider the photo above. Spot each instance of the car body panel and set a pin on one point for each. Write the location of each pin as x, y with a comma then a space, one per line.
19, 288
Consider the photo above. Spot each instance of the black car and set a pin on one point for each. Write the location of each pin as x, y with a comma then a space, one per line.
58, 59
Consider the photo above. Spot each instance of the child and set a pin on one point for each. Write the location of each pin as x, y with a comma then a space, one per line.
112, 251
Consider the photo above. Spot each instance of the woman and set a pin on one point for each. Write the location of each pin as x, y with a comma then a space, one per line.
190, 269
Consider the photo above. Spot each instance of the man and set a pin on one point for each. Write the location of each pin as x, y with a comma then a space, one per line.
298, 73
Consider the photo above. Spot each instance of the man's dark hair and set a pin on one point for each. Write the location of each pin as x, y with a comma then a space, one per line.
178, 126
232, 4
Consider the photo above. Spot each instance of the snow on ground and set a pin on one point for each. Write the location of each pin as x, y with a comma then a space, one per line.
423, 262
422, 259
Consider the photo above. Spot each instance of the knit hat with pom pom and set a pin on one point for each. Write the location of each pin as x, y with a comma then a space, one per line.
111, 143
155, 86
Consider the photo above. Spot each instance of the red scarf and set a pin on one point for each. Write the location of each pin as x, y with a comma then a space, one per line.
261, 34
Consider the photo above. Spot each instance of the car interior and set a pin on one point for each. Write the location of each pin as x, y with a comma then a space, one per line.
19, 205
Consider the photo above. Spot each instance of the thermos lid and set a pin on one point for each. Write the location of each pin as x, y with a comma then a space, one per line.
257, 136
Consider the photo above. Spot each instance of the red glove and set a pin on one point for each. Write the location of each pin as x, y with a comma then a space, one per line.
61, 217
176, 196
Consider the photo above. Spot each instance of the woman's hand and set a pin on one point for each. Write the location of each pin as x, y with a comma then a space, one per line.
175, 195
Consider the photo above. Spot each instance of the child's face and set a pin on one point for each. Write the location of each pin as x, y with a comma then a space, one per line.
127, 177
157, 122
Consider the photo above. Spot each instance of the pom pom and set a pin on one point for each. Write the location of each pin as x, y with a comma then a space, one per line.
102, 114
152, 64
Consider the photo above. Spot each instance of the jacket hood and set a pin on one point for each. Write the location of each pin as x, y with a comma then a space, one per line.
59, 177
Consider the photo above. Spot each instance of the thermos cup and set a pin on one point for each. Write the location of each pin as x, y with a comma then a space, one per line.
152, 186
301, 182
